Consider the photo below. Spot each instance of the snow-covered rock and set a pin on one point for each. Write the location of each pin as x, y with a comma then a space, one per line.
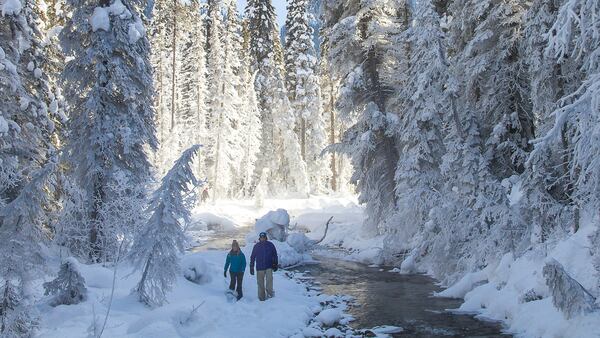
275, 223
195, 269
329, 317
299, 242
312, 332
567, 294
333, 332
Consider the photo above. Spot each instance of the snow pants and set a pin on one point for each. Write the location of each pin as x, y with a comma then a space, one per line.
236, 278
261, 276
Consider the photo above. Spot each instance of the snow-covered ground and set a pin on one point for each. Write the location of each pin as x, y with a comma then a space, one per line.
288, 314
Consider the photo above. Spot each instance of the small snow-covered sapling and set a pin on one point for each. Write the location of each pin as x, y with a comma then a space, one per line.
69, 287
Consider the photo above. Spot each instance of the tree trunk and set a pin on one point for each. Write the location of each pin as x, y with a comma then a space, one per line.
332, 140
174, 64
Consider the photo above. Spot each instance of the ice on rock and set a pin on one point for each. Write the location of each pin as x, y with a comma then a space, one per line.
30, 66
100, 19
2, 54
37, 73
329, 317
11, 7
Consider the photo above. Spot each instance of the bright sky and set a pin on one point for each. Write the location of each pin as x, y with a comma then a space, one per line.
279, 9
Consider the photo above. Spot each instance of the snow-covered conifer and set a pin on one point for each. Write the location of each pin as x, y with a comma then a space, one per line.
159, 244
423, 103
69, 286
16, 318
109, 90
304, 92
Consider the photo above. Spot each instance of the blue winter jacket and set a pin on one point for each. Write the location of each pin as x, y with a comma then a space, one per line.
265, 256
237, 262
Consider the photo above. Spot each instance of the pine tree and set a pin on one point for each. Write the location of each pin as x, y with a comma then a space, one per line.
304, 92
225, 145
361, 56
111, 124
420, 130
157, 247
27, 120
280, 148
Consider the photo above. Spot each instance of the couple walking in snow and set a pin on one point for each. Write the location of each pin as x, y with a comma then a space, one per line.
264, 255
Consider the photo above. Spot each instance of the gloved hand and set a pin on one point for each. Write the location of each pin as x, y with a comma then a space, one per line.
252, 271
225, 273
275, 267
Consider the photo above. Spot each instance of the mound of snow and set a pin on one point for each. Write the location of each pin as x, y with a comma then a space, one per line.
299, 242
333, 332
195, 269
329, 317
288, 256
312, 332
215, 222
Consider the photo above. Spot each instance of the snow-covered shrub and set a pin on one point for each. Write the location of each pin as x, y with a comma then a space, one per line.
69, 287
195, 269
16, 318
567, 294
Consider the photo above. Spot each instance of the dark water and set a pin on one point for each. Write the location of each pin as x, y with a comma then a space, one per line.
385, 298
381, 297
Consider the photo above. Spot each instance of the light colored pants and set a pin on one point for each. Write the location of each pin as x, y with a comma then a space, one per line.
260, 278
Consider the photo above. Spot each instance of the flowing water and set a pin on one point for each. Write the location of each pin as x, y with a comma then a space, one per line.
381, 297
386, 298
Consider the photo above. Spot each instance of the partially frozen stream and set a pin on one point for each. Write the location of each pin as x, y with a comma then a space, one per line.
382, 297
386, 298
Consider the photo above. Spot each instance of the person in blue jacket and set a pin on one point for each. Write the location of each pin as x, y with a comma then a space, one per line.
236, 262
265, 256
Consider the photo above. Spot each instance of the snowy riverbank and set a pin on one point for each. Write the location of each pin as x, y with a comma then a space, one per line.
285, 315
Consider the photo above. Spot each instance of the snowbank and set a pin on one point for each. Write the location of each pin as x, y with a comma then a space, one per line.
192, 310
515, 291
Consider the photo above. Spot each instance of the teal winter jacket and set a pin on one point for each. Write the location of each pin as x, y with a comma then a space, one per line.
235, 263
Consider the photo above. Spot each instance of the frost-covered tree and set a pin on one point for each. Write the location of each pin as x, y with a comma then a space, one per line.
69, 286
361, 56
159, 244
304, 92
27, 120
16, 318
423, 104
22, 236
176, 36
224, 146
280, 148
109, 90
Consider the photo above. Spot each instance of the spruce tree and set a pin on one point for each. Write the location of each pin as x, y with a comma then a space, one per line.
109, 91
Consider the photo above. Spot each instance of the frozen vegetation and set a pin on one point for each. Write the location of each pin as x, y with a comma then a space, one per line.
129, 132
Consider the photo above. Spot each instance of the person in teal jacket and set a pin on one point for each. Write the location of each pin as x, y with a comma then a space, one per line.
236, 262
